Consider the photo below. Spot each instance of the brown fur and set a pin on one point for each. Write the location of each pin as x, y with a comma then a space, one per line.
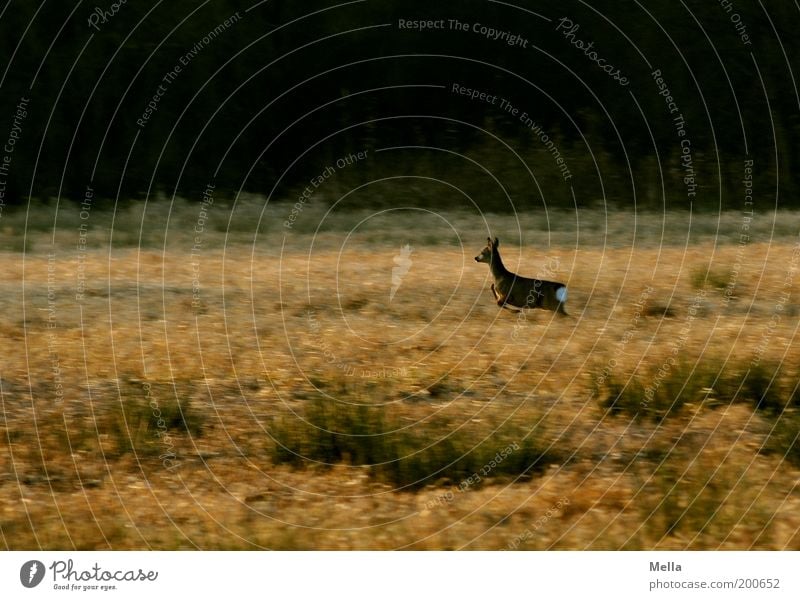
510, 289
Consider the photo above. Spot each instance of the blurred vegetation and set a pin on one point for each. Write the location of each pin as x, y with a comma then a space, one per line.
657, 392
411, 455
289, 88
275, 446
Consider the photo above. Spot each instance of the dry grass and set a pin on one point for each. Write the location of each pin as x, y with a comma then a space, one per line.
300, 408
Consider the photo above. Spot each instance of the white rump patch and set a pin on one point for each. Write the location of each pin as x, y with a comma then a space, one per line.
561, 294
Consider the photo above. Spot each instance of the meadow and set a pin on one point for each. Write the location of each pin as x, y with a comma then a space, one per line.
178, 377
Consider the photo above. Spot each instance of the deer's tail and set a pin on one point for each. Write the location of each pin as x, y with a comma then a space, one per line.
561, 296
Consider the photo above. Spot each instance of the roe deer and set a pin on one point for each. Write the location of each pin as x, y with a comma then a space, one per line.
512, 290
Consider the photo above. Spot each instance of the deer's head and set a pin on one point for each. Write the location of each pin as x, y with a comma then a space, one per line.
488, 251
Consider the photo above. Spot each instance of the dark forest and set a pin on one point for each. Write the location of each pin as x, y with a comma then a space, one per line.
650, 106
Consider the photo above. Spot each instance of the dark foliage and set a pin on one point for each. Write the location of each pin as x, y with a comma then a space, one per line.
266, 103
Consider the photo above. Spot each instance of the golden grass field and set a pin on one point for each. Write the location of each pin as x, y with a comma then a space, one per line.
300, 408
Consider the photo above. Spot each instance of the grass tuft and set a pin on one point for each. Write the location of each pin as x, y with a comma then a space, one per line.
659, 391
714, 278
662, 390
439, 448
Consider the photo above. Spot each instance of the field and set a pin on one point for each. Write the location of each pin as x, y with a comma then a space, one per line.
174, 379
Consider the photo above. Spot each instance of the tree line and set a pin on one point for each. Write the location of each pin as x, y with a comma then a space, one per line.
476, 103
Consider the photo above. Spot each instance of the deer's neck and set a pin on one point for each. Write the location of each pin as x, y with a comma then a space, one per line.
498, 268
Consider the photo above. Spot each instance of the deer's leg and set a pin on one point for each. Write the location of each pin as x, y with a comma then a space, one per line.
501, 302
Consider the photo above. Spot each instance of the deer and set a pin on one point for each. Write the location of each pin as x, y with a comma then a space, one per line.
512, 290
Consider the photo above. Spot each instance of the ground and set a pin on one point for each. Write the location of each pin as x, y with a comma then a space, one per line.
249, 385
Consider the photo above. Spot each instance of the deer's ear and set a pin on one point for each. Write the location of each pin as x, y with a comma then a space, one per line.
496, 242
489, 242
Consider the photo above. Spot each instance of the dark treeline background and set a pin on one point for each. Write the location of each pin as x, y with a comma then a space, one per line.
289, 87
